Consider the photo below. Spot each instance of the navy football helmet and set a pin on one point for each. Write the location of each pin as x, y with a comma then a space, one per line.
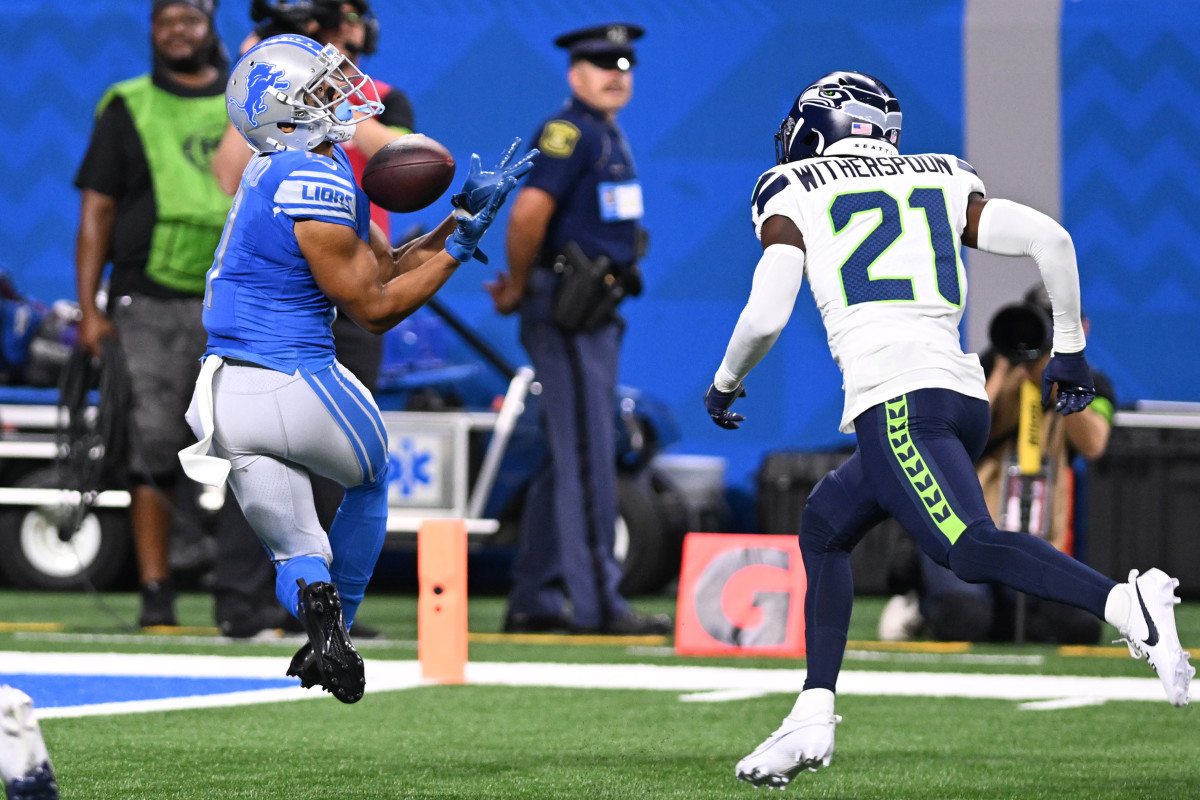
842, 113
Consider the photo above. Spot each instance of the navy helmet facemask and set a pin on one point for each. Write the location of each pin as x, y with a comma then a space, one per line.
842, 113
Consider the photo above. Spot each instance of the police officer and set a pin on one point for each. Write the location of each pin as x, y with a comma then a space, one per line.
583, 198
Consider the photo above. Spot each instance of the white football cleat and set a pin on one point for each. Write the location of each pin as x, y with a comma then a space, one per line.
797, 745
901, 618
24, 760
1150, 632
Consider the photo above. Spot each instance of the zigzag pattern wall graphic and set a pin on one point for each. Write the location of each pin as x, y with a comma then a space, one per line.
713, 82
1131, 190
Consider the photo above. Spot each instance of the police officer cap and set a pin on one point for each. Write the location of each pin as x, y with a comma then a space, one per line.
603, 45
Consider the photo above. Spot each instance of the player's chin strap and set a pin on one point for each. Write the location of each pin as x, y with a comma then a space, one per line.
197, 463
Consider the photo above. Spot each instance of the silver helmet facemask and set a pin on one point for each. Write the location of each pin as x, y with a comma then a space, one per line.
292, 81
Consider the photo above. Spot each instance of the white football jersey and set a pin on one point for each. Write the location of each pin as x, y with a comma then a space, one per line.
882, 236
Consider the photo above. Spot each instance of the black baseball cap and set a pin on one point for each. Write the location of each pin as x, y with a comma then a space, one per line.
603, 45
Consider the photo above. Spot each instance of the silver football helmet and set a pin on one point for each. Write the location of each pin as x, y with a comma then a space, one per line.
289, 93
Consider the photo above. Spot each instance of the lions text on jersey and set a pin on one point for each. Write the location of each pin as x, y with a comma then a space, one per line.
262, 303
882, 236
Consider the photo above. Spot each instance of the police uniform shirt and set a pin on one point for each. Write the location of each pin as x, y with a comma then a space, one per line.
586, 166
882, 238
262, 303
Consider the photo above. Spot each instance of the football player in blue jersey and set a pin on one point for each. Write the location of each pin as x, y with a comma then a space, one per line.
877, 235
272, 405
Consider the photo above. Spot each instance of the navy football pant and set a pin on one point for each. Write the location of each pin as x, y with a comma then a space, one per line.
915, 462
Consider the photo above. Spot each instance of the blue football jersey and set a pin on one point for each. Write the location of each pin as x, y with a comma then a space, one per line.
262, 303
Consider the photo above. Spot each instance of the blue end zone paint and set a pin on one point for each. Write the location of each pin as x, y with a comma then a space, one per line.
50, 691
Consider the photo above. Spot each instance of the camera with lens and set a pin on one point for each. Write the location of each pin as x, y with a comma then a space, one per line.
1021, 332
276, 17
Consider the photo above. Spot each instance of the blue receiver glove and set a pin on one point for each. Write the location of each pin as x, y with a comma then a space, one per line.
482, 191
717, 404
463, 244
477, 189
1074, 378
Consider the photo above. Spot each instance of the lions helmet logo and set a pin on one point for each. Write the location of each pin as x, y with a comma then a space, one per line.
261, 78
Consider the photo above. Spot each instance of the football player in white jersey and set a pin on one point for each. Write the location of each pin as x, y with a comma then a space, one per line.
878, 235
272, 404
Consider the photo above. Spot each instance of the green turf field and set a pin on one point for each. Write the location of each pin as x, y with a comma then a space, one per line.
485, 741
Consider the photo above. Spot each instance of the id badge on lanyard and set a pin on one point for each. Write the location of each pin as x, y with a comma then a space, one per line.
620, 201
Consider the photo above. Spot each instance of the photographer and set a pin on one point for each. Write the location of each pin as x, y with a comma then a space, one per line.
1086, 432
949, 609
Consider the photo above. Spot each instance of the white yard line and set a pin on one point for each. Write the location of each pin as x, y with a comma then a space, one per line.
721, 696
1065, 702
293, 640
692, 682
1031, 660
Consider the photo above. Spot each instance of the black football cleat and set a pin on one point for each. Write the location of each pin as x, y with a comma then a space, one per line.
24, 760
39, 785
339, 667
304, 666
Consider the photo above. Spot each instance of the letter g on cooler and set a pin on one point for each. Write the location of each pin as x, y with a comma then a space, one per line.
740, 594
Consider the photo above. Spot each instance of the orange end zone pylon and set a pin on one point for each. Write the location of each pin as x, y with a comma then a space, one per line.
442, 603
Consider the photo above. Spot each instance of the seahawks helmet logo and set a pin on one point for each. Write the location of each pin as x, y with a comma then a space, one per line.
856, 102
261, 78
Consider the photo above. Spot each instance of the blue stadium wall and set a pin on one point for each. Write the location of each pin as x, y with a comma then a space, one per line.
1131, 189
714, 79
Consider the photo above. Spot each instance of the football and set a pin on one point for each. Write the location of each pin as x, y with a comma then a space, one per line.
408, 174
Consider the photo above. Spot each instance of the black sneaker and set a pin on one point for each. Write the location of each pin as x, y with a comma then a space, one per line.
158, 605
633, 623
362, 631
257, 623
534, 623
339, 665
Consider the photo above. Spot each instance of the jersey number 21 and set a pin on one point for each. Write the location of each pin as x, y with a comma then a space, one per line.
857, 283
